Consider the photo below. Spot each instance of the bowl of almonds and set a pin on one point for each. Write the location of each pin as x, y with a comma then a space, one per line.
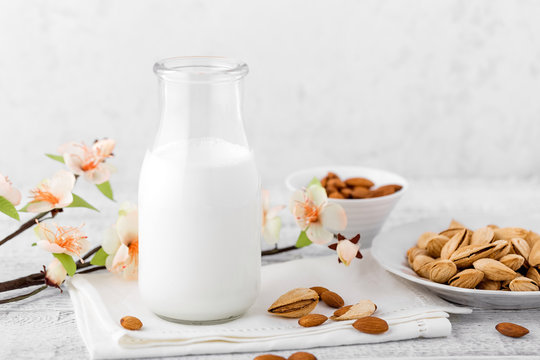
367, 195
483, 262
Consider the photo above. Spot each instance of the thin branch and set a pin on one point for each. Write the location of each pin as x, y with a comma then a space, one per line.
24, 296
27, 225
278, 250
91, 270
22, 282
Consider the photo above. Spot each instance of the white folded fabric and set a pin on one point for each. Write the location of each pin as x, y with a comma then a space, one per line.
102, 299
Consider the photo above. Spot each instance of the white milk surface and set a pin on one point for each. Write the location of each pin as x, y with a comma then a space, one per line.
199, 230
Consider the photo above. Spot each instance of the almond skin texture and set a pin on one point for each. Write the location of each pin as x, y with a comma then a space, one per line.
342, 310
311, 320
512, 330
319, 289
332, 299
269, 357
371, 325
130, 323
295, 303
301, 355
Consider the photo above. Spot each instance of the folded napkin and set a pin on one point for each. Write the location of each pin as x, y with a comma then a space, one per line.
102, 299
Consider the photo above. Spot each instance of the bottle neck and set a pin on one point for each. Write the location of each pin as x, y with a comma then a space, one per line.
201, 110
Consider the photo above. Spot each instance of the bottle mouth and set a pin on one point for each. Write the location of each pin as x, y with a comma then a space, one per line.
200, 69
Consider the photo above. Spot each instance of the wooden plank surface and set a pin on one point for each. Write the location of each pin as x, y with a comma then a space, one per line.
44, 327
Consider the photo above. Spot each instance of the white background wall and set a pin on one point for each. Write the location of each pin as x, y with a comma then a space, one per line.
424, 88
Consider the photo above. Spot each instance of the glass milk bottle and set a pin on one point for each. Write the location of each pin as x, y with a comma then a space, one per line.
199, 197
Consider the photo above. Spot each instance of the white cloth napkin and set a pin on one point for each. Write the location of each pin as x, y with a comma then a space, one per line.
102, 299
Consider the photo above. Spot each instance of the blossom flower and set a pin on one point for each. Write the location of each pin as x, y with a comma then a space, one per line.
54, 193
62, 239
55, 274
271, 223
315, 215
9, 192
121, 243
89, 161
347, 249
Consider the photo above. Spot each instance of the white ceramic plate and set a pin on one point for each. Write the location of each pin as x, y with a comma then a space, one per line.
390, 249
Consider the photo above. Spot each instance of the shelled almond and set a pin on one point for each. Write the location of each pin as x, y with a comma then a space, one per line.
489, 258
355, 188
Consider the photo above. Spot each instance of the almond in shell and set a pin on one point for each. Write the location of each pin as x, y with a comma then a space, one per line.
458, 239
508, 233
359, 310
523, 284
534, 256
424, 238
468, 279
494, 270
295, 303
465, 256
521, 247
435, 244
532, 238
442, 270
482, 236
513, 261
413, 252
533, 274
487, 284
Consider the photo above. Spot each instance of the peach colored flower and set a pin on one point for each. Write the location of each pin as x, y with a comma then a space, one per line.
271, 222
347, 249
62, 239
121, 243
54, 193
315, 215
9, 192
55, 274
89, 161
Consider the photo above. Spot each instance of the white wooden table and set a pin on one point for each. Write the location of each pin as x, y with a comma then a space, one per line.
44, 327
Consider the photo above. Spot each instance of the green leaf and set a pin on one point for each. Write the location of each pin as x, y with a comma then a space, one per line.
303, 240
314, 181
80, 202
34, 244
59, 158
7, 208
25, 208
99, 258
67, 262
106, 189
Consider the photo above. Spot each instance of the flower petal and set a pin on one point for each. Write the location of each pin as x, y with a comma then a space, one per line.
271, 230
317, 194
111, 242
296, 198
318, 234
333, 217
127, 227
74, 163
45, 232
51, 247
347, 251
104, 147
39, 206
120, 258
62, 183
99, 175
274, 211
10, 193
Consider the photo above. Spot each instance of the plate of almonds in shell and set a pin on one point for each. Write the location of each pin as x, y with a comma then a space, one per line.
478, 261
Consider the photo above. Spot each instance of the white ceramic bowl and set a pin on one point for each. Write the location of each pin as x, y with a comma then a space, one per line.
364, 216
390, 248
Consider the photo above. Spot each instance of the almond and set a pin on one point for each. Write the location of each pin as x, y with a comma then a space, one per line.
301, 355
336, 182
336, 195
332, 299
383, 191
319, 290
269, 357
342, 310
130, 323
312, 320
512, 330
295, 303
360, 192
358, 181
371, 325
346, 192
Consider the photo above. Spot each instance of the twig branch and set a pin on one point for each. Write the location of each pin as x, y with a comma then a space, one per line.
24, 296
27, 225
278, 250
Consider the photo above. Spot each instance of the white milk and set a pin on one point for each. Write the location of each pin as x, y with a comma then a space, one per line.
199, 223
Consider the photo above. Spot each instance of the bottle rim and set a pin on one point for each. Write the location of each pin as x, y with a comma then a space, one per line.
200, 69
